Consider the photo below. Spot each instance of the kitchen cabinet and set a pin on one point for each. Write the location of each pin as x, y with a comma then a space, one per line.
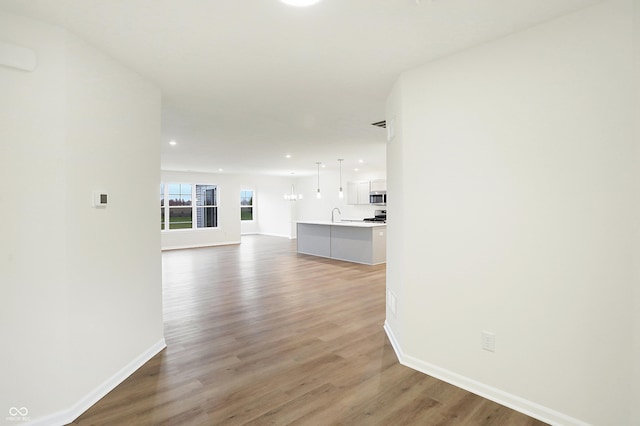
358, 192
359, 242
379, 185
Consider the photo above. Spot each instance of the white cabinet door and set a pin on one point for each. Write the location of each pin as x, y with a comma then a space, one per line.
358, 192
378, 185
352, 193
363, 192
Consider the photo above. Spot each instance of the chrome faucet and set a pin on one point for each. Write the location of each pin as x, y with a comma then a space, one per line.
333, 211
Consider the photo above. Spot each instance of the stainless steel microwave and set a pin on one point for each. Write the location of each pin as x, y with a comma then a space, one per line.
378, 198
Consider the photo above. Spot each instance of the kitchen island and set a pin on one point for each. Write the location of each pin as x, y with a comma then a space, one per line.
359, 242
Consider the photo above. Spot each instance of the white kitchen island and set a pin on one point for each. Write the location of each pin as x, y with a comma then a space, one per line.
360, 242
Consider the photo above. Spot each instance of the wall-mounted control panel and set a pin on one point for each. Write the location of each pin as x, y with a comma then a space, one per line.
100, 199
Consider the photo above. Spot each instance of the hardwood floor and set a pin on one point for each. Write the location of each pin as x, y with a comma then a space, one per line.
259, 335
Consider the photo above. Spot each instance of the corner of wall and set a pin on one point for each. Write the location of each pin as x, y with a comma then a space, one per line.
396, 208
69, 415
635, 396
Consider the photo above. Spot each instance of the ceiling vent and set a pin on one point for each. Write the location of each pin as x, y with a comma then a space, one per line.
382, 124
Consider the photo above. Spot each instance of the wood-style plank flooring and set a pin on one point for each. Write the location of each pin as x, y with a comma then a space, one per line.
260, 335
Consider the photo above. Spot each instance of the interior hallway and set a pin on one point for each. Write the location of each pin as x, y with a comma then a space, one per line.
257, 334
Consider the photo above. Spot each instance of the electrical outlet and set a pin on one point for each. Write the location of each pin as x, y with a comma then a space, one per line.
488, 341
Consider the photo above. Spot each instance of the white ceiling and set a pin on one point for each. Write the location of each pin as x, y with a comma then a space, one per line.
245, 82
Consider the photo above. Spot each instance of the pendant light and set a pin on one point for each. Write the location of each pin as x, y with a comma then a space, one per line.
340, 193
292, 196
318, 195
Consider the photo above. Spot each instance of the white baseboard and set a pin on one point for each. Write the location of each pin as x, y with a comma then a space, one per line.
67, 416
274, 235
188, 246
514, 402
223, 243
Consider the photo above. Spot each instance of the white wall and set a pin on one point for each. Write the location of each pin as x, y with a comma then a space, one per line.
523, 154
272, 212
81, 287
398, 209
33, 290
635, 401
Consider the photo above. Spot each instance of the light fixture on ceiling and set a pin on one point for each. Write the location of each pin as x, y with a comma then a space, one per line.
340, 193
173, 143
300, 3
292, 196
318, 195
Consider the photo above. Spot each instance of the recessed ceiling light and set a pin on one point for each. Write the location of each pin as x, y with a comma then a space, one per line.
360, 161
288, 155
300, 3
220, 170
323, 165
356, 170
172, 143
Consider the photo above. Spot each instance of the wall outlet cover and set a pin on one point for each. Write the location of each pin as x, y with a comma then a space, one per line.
391, 302
488, 341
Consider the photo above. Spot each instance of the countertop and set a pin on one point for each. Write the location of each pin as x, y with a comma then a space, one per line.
344, 223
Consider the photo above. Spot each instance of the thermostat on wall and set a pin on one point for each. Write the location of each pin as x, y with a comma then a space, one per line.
100, 199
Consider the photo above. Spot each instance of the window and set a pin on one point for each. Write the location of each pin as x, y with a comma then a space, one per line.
207, 206
162, 206
180, 207
246, 205
177, 210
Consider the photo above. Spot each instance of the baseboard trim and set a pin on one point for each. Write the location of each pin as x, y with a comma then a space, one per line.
188, 246
222, 243
267, 234
514, 402
67, 416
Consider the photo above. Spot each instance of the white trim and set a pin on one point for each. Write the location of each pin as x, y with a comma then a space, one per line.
273, 235
188, 246
394, 342
223, 243
69, 415
514, 402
